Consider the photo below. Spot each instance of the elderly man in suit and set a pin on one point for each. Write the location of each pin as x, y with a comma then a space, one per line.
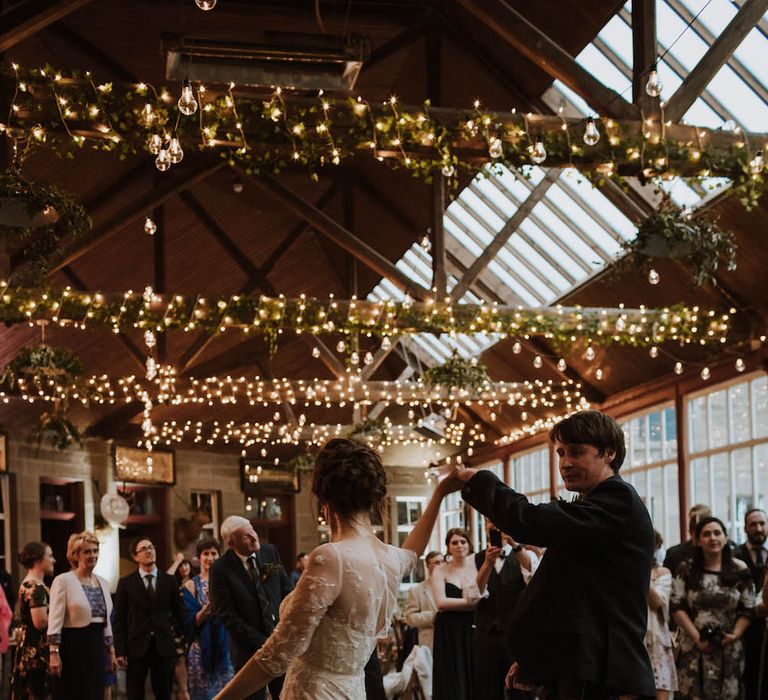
246, 586
147, 618
420, 609
579, 625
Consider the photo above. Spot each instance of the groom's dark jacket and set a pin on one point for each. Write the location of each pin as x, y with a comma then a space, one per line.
582, 616
236, 600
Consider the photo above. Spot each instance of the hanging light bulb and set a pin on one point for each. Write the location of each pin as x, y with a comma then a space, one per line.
591, 134
187, 102
517, 347
496, 149
368, 359
205, 5
757, 164
150, 227
341, 346
740, 365
705, 374
598, 374
654, 352
148, 114
155, 144
151, 366
678, 367
653, 276
354, 358
175, 151
589, 353
538, 362
561, 365
653, 87
425, 243
386, 343
315, 352
539, 153
149, 339
163, 160
148, 295
448, 170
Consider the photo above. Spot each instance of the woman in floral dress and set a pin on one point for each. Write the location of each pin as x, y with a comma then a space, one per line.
210, 668
713, 598
30, 678
658, 638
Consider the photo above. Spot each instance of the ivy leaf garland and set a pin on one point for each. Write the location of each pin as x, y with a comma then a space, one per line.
459, 373
691, 237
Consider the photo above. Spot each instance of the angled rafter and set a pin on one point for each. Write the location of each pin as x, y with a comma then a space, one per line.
378, 358
378, 409
504, 235
328, 358
330, 228
171, 185
393, 46
541, 50
714, 59
25, 19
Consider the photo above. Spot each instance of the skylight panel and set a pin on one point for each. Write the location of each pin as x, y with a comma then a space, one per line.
681, 194
499, 199
458, 233
752, 53
566, 236
473, 227
548, 244
701, 114
529, 254
576, 100
514, 185
618, 36
688, 47
529, 298
747, 107
606, 72
481, 210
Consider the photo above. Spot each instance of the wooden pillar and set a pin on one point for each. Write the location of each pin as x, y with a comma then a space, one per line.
507, 465
553, 472
643, 54
682, 471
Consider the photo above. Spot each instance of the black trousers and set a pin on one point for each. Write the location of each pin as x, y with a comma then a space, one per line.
753, 652
491, 660
374, 681
161, 671
82, 664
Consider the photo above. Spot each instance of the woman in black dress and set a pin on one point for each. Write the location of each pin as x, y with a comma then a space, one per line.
30, 679
456, 594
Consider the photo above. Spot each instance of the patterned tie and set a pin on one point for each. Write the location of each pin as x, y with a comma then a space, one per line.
759, 556
266, 607
150, 587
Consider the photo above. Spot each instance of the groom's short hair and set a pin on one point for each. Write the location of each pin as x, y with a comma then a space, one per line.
230, 525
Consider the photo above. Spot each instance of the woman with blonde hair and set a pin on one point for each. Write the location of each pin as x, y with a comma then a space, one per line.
78, 624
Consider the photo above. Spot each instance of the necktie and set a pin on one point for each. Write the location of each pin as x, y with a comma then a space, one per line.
150, 587
266, 607
759, 556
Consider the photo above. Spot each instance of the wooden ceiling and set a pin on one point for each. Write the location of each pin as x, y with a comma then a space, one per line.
213, 240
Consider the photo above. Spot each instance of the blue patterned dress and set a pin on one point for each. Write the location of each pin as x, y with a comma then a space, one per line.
210, 667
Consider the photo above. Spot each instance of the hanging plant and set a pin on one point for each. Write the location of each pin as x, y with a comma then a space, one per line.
691, 237
371, 430
459, 373
304, 462
40, 216
45, 367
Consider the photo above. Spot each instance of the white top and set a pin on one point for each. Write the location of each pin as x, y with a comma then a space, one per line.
328, 627
69, 605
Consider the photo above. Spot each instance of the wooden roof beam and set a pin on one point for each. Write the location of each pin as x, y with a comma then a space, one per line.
541, 50
643, 54
25, 19
713, 60
331, 229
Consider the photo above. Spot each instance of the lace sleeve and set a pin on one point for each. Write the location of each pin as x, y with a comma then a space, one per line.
303, 610
407, 560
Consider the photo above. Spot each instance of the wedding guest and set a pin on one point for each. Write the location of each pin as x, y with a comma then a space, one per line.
503, 573
246, 586
681, 552
658, 638
754, 553
454, 588
210, 667
30, 678
79, 625
181, 568
712, 601
147, 619
420, 609
6, 615
301, 562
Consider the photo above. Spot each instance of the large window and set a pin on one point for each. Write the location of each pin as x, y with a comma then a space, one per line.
530, 474
651, 466
728, 449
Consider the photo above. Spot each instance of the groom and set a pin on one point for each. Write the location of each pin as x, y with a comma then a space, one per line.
246, 587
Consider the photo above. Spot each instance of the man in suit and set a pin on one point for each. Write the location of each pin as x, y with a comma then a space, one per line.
579, 625
502, 575
147, 618
754, 554
246, 586
420, 608
681, 552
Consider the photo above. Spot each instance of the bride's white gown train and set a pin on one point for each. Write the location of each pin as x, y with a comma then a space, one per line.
329, 624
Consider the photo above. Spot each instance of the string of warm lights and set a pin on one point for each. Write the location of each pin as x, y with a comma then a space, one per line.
383, 319
65, 112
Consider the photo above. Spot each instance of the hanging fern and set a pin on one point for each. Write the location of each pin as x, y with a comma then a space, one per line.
459, 373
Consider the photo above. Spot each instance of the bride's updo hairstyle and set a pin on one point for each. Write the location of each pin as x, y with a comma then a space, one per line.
349, 478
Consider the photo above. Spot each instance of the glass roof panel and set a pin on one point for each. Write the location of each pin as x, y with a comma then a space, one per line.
550, 247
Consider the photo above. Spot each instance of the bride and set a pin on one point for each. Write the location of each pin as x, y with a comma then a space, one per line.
347, 595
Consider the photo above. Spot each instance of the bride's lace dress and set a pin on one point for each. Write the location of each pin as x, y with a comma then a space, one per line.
329, 624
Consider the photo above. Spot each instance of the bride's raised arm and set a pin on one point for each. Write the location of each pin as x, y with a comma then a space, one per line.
418, 538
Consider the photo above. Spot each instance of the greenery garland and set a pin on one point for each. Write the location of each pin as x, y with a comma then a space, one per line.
67, 112
459, 373
42, 243
692, 237
272, 316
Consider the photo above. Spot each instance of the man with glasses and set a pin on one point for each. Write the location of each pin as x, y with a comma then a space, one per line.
147, 614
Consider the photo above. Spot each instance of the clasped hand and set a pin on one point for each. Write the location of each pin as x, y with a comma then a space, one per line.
456, 480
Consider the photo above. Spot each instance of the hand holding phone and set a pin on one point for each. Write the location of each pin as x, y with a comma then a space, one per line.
494, 537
